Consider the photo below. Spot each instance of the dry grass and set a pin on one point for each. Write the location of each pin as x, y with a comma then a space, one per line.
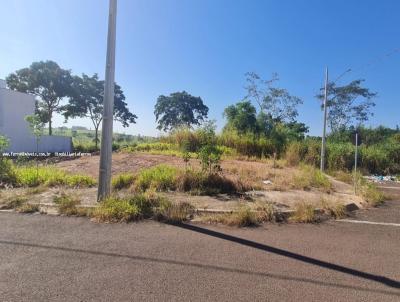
242, 218
304, 212
28, 208
14, 202
265, 212
68, 205
335, 209
174, 213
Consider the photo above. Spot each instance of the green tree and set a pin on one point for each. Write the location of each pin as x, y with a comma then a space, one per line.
348, 105
179, 109
275, 102
87, 101
241, 117
48, 82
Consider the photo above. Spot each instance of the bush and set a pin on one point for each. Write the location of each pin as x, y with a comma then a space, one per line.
201, 183
116, 210
159, 178
304, 212
340, 156
247, 144
7, 172
122, 181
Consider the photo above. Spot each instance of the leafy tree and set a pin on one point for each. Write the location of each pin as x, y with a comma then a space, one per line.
87, 101
48, 82
179, 109
241, 117
347, 105
209, 154
273, 101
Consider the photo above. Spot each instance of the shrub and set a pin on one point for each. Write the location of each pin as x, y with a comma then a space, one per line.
265, 212
160, 178
116, 210
201, 183
122, 181
210, 157
7, 172
304, 212
371, 194
294, 154
340, 156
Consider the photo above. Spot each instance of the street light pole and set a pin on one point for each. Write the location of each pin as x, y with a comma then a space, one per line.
104, 188
323, 147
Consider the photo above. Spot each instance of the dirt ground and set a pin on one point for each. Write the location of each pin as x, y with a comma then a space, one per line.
255, 172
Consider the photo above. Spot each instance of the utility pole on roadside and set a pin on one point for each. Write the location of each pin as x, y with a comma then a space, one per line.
323, 147
104, 188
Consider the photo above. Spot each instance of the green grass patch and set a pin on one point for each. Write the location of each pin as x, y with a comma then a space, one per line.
116, 210
122, 181
50, 177
159, 178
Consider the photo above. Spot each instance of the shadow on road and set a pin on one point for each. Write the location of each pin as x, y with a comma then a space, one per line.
198, 265
381, 279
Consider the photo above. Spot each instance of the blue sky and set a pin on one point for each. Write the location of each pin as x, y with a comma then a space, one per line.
206, 46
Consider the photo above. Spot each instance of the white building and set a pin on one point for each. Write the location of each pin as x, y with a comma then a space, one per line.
14, 107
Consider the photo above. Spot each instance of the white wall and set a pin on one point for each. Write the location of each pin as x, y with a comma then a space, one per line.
14, 107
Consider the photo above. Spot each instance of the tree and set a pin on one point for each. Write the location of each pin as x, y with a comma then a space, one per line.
347, 105
241, 117
48, 82
87, 101
275, 102
179, 109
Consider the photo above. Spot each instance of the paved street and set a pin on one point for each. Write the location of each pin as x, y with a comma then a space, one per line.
50, 258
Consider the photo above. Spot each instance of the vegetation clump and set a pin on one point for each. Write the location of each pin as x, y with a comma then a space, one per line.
304, 212
68, 205
122, 181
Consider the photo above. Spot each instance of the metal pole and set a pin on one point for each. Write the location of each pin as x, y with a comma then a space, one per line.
355, 165
323, 147
108, 108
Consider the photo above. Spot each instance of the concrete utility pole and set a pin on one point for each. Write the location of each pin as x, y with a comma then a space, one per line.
108, 108
323, 147
355, 164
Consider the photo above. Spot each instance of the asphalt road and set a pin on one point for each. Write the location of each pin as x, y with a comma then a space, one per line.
51, 258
